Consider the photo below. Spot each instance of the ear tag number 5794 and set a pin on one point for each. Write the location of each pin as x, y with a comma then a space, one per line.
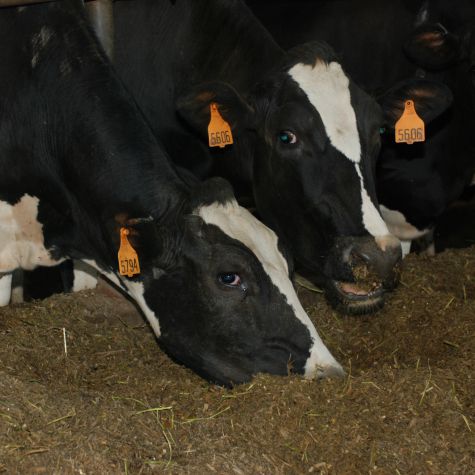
128, 259
410, 127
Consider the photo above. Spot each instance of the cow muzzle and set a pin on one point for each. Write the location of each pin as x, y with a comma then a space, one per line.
371, 268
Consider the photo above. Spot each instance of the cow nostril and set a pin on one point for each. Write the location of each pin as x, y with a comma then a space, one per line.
370, 261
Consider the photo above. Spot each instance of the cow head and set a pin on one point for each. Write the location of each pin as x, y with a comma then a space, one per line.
215, 287
313, 138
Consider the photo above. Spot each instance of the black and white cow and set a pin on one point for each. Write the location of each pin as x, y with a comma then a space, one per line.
78, 163
382, 43
306, 137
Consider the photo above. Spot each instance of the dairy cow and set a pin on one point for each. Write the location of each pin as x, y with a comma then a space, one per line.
382, 43
306, 137
81, 171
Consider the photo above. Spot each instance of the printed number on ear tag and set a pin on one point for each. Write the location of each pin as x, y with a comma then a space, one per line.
128, 259
410, 127
219, 131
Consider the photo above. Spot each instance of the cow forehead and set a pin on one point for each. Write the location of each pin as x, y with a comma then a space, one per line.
238, 223
327, 89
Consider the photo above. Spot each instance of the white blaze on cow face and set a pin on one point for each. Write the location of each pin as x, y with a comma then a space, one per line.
237, 223
21, 236
327, 89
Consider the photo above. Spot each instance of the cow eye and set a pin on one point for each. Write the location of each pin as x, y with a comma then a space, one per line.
382, 130
230, 279
287, 137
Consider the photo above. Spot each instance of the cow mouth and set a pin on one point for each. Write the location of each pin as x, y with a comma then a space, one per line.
365, 294
356, 298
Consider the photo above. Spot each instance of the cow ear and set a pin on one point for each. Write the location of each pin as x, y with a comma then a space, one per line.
194, 107
142, 235
431, 46
430, 98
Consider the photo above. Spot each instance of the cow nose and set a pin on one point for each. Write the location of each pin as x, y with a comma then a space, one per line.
334, 371
321, 363
376, 259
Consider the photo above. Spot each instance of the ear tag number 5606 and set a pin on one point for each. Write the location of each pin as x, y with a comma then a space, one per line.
410, 127
219, 131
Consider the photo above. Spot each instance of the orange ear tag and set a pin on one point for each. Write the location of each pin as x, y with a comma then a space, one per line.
410, 127
128, 259
219, 131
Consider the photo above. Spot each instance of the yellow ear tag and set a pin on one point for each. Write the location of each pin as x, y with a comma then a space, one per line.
128, 259
410, 127
219, 131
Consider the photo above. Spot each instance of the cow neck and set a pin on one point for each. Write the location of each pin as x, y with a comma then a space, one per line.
206, 40
242, 50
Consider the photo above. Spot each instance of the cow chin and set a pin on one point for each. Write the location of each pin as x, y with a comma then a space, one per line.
348, 298
227, 370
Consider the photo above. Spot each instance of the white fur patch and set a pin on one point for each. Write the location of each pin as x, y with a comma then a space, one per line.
85, 276
399, 226
239, 224
5, 289
405, 248
327, 89
110, 275
21, 236
372, 220
136, 291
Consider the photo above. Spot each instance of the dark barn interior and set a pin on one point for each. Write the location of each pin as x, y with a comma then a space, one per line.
115, 380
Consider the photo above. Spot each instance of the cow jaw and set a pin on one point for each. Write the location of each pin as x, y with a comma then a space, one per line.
364, 295
136, 290
355, 300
